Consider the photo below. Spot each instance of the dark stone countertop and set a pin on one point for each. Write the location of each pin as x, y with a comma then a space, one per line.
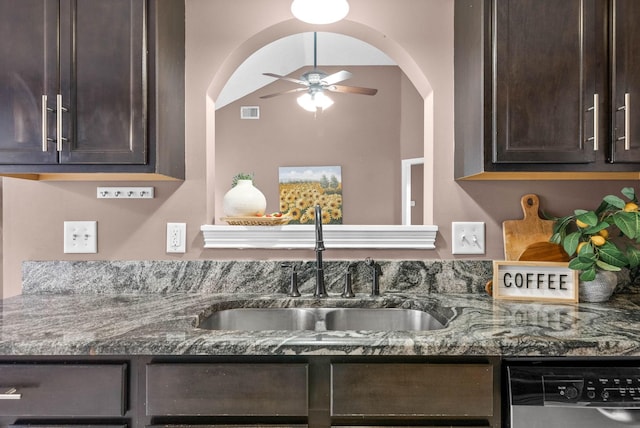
164, 324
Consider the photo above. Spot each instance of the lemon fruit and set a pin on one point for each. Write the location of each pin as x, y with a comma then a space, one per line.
580, 245
581, 224
598, 240
630, 207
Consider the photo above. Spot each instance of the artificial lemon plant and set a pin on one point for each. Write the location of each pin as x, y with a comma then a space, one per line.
606, 238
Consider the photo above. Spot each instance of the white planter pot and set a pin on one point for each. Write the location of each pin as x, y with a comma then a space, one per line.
600, 289
244, 200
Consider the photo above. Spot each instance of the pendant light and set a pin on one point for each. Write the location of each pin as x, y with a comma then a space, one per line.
320, 11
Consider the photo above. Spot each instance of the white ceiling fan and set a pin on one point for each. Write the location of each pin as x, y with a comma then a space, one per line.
316, 82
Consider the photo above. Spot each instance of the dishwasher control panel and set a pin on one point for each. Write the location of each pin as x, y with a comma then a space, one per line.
576, 386
592, 389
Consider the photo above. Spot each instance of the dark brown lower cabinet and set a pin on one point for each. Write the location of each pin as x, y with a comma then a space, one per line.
32, 390
323, 391
264, 390
412, 390
78, 394
251, 392
67, 426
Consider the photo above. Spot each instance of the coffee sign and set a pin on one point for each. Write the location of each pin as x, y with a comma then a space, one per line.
539, 281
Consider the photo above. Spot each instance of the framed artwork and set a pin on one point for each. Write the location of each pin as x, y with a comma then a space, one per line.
303, 187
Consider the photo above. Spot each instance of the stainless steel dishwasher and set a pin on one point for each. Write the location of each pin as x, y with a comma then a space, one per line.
605, 395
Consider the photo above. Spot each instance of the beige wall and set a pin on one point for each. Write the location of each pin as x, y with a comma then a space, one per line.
417, 34
361, 134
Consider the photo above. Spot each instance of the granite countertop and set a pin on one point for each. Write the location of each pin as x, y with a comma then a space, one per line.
164, 324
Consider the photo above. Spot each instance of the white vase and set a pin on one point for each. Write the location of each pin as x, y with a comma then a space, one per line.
600, 289
244, 199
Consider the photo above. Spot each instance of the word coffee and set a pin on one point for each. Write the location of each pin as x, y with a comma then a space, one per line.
545, 281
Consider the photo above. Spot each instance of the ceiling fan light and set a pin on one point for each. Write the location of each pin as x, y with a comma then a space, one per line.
313, 102
320, 11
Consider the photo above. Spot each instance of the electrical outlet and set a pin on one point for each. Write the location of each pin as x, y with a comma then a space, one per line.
81, 237
176, 237
467, 237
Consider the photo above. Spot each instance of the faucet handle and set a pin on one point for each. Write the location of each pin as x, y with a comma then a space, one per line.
373, 265
348, 290
376, 272
293, 282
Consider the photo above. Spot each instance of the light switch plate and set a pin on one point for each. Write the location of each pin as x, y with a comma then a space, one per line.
467, 237
81, 237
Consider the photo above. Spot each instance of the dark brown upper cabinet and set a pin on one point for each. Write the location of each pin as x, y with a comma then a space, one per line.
540, 89
92, 86
625, 81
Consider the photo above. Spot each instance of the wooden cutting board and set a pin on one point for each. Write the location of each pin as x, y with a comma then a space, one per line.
519, 234
544, 252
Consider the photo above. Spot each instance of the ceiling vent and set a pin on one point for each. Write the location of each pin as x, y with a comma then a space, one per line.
249, 112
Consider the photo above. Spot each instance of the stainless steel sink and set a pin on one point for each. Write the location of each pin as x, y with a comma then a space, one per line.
382, 319
255, 319
319, 319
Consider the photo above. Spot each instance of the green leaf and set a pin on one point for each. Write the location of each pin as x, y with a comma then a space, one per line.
605, 266
604, 206
628, 223
610, 254
629, 192
588, 275
587, 251
571, 242
240, 176
595, 229
581, 263
633, 255
556, 238
562, 223
615, 201
588, 217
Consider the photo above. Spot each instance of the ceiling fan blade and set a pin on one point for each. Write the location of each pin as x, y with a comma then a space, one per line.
283, 92
289, 79
352, 90
336, 77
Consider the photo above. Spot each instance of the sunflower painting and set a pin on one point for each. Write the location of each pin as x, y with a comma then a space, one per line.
302, 188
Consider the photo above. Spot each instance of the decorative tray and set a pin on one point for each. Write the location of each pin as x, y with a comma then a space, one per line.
256, 221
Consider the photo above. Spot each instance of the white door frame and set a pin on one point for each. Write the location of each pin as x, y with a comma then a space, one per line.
406, 165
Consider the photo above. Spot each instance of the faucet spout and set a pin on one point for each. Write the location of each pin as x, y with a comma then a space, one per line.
318, 223
320, 290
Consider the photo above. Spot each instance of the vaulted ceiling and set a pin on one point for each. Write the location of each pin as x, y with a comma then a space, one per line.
293, 52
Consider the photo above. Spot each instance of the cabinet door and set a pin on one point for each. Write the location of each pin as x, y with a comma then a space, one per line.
412, 390
544, 81
625, 58
28, 71
103, 69
227, 390
63, 390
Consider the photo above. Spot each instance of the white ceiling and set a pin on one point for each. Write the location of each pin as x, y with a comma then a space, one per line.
293, 52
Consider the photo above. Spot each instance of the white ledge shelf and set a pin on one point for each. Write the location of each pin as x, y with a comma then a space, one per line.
335, 236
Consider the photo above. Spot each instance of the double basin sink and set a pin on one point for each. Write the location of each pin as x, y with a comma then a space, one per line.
321, 319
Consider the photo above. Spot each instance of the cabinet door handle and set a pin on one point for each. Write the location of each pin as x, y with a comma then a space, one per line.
627, 121
45, 127
596, 134
59, 110
44, 123
10, 394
